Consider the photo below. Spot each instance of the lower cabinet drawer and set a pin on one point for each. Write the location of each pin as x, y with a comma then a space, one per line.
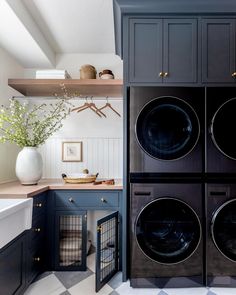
77, 200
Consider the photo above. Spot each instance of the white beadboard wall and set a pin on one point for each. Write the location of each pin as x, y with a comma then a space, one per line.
102, 155
102, 140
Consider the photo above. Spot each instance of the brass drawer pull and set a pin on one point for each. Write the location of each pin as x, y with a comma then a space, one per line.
99, 228
161, 74
103, 200
37, 259
39, 205
234, 75
37, 229
166, 74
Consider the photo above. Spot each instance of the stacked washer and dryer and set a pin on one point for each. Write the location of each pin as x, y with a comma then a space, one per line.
182, 173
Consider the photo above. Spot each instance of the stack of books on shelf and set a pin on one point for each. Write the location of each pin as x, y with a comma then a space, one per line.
52, 74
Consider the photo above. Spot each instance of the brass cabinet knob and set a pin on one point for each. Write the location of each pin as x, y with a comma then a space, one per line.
234, 75
37, 259
161, 74
71, 200
37, 229
103, 200
166, 74
39, 205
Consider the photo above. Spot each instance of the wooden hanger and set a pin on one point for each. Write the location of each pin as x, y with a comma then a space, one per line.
83, 107
108, 105
98, 112
90, 106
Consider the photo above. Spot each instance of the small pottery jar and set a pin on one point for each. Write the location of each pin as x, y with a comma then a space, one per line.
106, 74
88, 72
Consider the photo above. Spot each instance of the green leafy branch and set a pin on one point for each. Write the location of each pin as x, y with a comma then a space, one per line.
31, 125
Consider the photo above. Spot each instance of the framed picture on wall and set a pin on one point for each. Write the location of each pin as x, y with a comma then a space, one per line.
72, 151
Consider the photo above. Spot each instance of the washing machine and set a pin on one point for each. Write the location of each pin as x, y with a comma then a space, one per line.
221, 235
221, 130
166, 235
166, 129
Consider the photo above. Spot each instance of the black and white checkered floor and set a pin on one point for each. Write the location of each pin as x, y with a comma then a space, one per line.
83, 283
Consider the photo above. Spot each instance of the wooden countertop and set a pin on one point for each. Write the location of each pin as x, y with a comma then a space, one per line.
16, 190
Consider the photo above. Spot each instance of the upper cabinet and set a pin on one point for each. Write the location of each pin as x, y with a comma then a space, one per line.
145, 50
162, 50
218, 51
177, 42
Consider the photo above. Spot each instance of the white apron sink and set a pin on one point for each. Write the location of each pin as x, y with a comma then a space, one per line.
15, 217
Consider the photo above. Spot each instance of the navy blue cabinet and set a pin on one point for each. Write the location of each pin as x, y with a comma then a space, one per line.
145, 45
162, 50
68, 222
218, 50
12, 267
22, 259
36, 236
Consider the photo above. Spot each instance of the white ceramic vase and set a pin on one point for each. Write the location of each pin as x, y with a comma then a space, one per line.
29, 166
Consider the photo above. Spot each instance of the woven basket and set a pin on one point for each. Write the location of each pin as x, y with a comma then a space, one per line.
90, 179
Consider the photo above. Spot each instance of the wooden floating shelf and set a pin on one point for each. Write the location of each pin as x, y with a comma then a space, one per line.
50, 87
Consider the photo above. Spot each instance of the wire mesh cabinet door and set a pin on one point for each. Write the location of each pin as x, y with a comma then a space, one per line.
107, 249
71, 240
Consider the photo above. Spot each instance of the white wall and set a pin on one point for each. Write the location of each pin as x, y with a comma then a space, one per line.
9, 68
101, 137
73, 62
102, 143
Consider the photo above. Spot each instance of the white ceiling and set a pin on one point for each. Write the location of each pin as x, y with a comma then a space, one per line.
34, 31
75, 26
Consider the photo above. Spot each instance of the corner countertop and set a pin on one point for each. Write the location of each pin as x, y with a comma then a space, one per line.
16, 190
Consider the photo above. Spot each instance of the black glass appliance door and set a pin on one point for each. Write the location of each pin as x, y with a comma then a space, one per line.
223, 128
223, 229
168, 230
167, 128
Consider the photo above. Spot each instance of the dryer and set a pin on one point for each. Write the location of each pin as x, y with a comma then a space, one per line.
221, 130
221, 235
166, 130
166, 235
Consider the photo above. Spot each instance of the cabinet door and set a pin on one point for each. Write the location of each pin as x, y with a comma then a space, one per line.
218, 46
12, 267
71, 240
107, 249
180, 51
145, 50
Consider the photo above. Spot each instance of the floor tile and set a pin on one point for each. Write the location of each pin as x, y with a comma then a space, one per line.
65, 293
49, 285
162, 293
42, 275
114, 293
91, 262
223, 291
211, 293
186, 291
87, 287
125, 289
71, 278
116, 281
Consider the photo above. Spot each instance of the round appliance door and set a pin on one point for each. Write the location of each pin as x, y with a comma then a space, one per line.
222, 128
223, 229
168, 230
167, 128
